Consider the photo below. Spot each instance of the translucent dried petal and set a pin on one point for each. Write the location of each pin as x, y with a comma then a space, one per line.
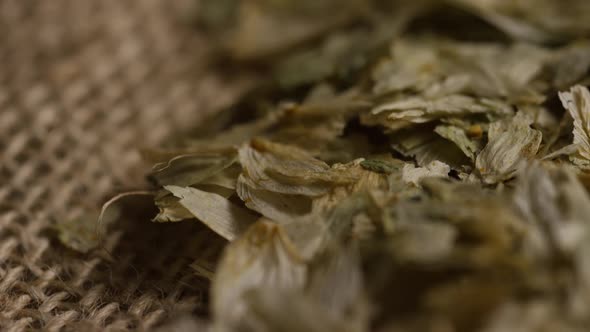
577, 102
509, 144
222, 216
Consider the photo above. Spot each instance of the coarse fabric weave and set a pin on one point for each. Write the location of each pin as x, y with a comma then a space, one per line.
83, 86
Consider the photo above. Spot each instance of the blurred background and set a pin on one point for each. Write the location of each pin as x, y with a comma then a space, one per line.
83, 86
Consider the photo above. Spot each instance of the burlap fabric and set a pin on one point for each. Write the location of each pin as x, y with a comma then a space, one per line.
83, 84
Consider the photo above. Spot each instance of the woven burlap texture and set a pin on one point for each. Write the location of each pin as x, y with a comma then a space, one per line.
83, 84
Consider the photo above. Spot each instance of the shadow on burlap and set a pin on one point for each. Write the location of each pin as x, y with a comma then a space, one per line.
83, 85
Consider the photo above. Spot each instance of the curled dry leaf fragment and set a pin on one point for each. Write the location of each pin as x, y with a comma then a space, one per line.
469, 146
509, 145
414, 175
577, 102
263, 258
188, 170
221, 215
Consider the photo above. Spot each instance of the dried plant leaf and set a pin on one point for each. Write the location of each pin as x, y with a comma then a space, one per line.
509, 144
427, 147
288, 170
405, 111
222, 216
559, 203
273, 205
298, 313
469, 146
332, 301
413, 174
577, 102
79, 234
439, 69
186, 170
170, 208
263, 258
382, 165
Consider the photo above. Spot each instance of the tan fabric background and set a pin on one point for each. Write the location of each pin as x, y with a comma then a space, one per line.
83, 84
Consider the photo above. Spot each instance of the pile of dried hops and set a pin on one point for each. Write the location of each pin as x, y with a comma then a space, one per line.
403, 166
